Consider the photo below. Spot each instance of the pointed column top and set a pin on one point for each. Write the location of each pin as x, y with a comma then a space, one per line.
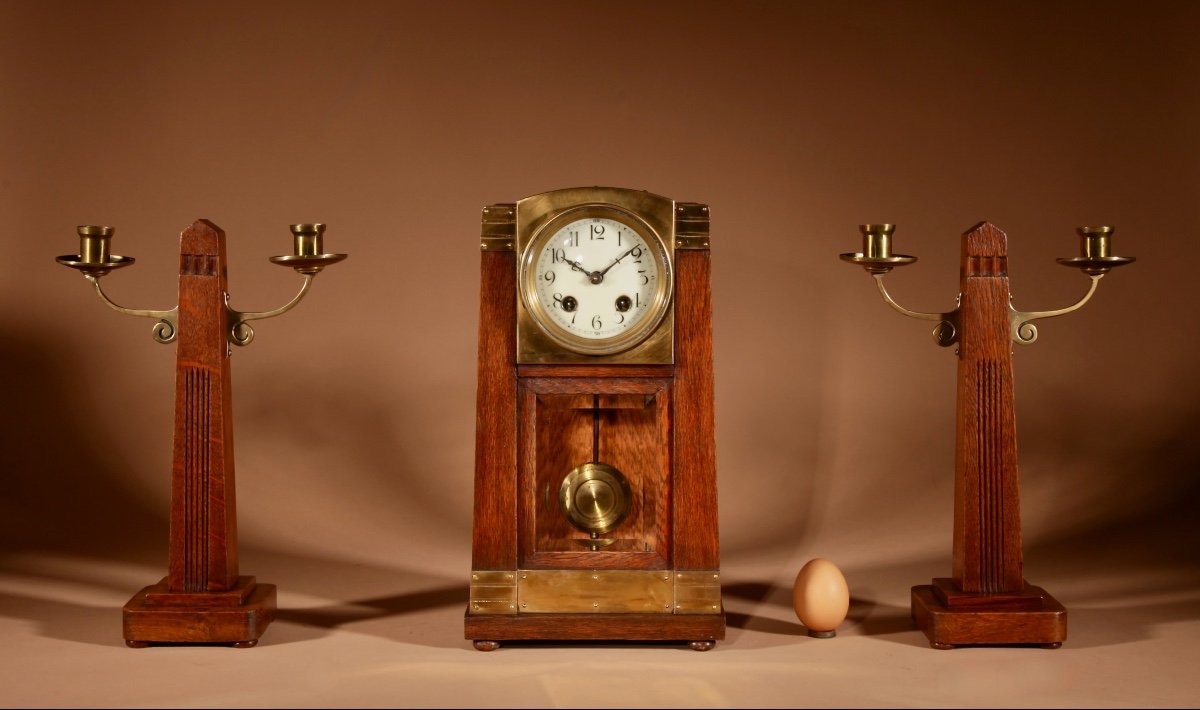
984, 251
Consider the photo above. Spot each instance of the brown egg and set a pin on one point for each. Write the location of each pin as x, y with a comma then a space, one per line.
821, 597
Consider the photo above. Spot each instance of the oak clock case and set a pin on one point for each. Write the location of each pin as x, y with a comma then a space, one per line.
595, 482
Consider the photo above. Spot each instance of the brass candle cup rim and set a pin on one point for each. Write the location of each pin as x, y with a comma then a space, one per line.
94, 268
307, 264
1099, 231
1096, 265
309, 228
94, 230
877, 264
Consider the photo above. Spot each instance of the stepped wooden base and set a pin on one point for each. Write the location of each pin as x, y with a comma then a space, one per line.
952, 618
237, 617
700, 631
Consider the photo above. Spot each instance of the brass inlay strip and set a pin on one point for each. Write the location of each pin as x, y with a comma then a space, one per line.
499, 229
691, 225
595, 591
493, 593
697, 592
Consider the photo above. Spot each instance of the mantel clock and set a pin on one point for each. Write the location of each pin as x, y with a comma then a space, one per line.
595, 514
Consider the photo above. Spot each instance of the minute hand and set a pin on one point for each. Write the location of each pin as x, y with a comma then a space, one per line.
616, 261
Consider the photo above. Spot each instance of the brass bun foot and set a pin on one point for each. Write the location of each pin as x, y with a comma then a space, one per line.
1029, 618
702, 645
238, 617
487, 645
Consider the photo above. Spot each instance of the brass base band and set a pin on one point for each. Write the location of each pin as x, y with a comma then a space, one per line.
595, 592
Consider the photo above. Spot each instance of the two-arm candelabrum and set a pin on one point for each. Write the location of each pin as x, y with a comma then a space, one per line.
203, 598
987, 600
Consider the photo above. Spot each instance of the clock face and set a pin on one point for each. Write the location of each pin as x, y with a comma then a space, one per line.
597, 279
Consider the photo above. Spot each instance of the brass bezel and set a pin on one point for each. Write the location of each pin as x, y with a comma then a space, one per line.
539, 339
633, 335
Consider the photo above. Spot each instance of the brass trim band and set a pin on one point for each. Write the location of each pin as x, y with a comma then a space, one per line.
499, 227
691, 225
493, 593
596, 591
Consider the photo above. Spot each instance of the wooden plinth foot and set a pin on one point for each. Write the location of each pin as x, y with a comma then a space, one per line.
980, 621
696, 630
237, 617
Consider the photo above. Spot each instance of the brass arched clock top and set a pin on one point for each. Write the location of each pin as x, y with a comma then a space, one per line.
596, 273
596, 279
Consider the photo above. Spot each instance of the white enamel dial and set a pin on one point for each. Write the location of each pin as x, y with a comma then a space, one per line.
597, 281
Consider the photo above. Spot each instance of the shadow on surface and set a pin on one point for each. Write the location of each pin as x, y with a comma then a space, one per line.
66, 621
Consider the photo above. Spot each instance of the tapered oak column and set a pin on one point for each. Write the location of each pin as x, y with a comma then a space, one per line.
203, 599
987, 600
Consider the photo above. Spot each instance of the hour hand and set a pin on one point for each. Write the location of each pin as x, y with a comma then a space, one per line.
593, 276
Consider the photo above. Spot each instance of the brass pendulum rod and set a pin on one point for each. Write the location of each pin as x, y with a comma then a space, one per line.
595, 448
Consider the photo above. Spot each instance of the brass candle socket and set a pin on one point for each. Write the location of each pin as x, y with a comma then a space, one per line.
1094, 241
876, 256
93, 243
94, 258
310, 257
877, 240
308, 238
1095, 252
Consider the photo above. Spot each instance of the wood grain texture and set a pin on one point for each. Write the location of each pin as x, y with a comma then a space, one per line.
203, 545
695, 465
947, 627
202, 599
597, 627
595, 370
987, 515
557, 428
494, 532
200, 618
987, 600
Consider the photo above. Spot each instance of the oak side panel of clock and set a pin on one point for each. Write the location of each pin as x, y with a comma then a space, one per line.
694, 522
494, 532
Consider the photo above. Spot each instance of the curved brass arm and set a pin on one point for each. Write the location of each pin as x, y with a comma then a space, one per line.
945, 333
1025, 332
164, 329
240, 333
